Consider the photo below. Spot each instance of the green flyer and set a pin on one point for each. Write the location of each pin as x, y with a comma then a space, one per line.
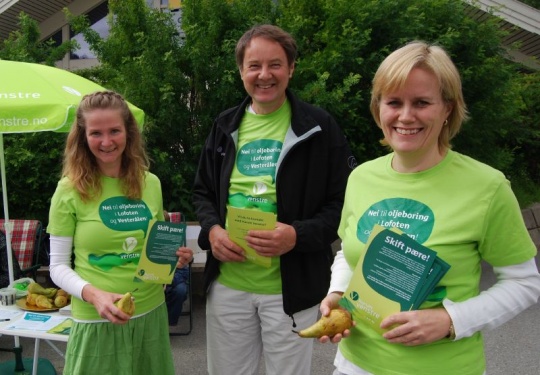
395, 273
158, 258
63, 328
240, 221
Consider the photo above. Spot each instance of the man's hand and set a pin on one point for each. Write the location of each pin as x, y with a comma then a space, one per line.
223, 249
275, 242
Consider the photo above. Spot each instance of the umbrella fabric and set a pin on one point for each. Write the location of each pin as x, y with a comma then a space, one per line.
35, 98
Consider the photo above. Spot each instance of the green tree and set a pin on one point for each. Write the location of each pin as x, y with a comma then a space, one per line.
33, 160
142, 59
342, 42
532, 3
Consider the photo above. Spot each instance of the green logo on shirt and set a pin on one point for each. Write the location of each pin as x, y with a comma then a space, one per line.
259, 158
122, 214
410, 216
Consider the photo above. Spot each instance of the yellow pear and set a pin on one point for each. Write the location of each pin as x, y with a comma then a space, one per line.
60, 301
126, 304
44, 302
31, 298
38, 289
336, 322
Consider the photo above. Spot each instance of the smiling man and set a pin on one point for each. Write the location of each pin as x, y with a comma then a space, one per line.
276, 155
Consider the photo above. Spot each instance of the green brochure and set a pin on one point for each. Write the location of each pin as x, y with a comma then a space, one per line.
158, 258
240, 221
63, 328
395, 273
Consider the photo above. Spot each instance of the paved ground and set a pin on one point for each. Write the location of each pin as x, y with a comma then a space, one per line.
513, 349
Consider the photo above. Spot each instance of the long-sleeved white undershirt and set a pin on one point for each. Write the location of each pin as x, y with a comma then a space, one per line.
60, 266
517, 288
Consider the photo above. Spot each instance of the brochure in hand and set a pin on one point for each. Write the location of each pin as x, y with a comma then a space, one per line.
395, 273
158, 258
240, 221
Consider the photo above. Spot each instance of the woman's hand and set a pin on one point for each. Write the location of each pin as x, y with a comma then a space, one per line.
185, 256
331, 301
417, 327
270, 243
104, 304
223, 249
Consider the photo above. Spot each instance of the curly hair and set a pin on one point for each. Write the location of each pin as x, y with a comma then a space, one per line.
80, 165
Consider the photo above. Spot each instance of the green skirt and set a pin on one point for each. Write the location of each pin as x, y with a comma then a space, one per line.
139, 347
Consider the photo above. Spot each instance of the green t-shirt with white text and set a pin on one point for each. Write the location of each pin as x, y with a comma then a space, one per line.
462, 209
108, 237
253, 186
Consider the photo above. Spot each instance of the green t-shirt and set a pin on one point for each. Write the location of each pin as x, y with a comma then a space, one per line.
253, 186
108, 237
462, 209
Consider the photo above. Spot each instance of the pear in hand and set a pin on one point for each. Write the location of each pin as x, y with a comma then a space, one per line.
336, 322
126, 303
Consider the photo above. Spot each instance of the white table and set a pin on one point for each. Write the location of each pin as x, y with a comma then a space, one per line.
37, 335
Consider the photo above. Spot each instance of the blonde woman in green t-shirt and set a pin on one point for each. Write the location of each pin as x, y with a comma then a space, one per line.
454, 205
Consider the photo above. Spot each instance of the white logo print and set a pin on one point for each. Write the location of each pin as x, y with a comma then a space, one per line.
71, 90
259, 188
129, 244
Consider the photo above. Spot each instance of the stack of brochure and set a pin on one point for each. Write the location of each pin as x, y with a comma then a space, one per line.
395, 273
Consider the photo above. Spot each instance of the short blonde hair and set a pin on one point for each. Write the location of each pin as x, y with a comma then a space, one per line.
395, 69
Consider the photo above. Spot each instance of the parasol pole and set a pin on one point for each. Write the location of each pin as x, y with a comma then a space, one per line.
7, 224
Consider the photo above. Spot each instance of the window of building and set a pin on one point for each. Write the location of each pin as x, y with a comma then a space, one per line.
98, 22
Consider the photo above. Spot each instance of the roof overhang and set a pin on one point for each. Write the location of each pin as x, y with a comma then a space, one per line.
48, 14
522, 23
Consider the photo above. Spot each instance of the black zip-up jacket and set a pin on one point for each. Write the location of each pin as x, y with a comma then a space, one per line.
310, 187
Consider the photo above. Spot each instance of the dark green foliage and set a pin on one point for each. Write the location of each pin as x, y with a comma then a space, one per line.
24, 45
142, 59
532, 3
33, 160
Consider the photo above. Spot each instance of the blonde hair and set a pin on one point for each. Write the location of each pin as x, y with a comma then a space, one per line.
395, 69
80, 165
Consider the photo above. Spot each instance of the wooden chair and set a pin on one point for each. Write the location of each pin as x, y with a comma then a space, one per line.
176, 217
26, 239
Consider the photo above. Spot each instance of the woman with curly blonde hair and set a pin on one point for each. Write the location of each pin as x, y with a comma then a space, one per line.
100, 213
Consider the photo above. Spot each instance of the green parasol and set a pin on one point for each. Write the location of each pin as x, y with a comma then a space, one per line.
35, 98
